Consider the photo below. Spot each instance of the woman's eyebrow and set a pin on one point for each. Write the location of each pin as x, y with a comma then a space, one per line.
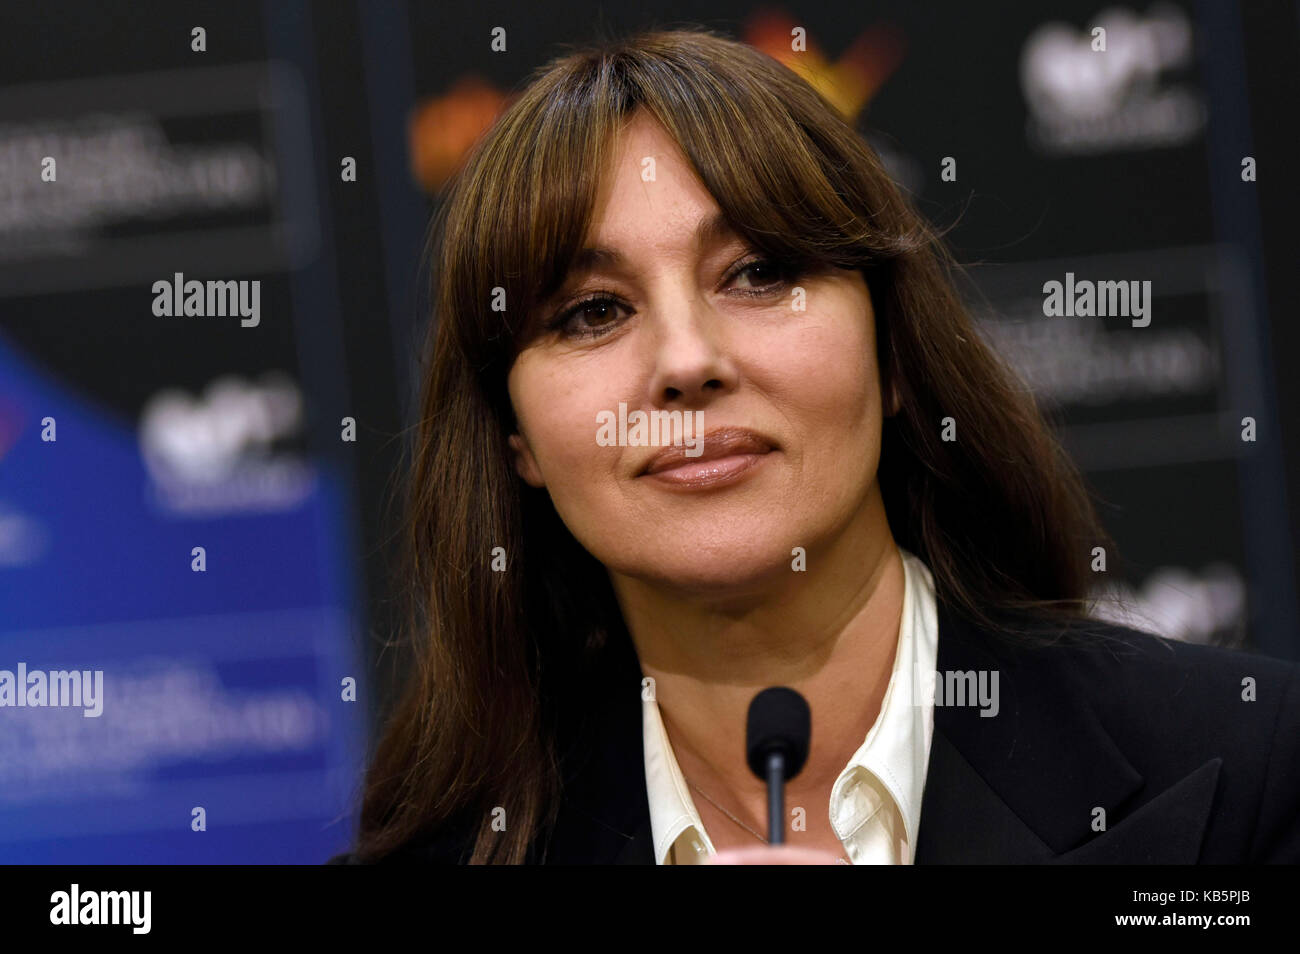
710, 230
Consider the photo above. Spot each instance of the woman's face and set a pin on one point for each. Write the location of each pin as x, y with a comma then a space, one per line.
789, 398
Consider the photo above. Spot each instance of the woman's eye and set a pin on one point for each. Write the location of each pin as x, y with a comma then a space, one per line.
590, 318
599, 315
760, 275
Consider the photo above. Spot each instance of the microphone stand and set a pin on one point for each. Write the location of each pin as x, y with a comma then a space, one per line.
776, 797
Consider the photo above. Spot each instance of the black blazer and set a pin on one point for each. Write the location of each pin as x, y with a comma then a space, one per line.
1154, 731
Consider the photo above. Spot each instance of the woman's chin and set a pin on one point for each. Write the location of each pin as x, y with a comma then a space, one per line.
739, 576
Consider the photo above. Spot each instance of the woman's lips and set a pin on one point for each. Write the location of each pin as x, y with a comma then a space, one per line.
726, 456
711, 473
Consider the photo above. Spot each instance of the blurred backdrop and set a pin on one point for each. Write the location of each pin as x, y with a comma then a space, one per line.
199, 506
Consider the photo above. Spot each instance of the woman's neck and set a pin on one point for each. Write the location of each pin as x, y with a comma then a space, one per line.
829, 632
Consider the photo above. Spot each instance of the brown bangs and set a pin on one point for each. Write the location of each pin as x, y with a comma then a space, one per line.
787, 184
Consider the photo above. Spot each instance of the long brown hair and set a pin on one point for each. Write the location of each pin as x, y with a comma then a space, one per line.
999, 514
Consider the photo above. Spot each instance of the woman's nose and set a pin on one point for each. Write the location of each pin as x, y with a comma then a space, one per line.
690, 354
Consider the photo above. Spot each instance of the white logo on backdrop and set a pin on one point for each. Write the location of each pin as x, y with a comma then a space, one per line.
214, 454
1085, 100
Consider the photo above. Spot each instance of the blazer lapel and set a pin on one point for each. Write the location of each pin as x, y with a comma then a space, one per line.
1022, 786
605, 816
964, 821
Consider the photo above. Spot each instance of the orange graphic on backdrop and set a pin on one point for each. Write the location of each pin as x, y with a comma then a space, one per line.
443, 128
850, 82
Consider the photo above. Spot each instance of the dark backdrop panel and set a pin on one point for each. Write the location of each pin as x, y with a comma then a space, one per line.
225, 688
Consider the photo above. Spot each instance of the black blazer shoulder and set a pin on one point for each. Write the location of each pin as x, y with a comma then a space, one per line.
1114, 746
1108, 746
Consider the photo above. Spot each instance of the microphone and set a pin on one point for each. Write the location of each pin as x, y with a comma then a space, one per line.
777, 735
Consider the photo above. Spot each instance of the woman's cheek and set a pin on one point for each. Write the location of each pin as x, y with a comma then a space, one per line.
579, 464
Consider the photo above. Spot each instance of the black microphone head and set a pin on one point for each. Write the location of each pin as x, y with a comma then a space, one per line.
779, 720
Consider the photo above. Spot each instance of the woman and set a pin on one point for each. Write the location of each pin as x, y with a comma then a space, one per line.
870, 510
